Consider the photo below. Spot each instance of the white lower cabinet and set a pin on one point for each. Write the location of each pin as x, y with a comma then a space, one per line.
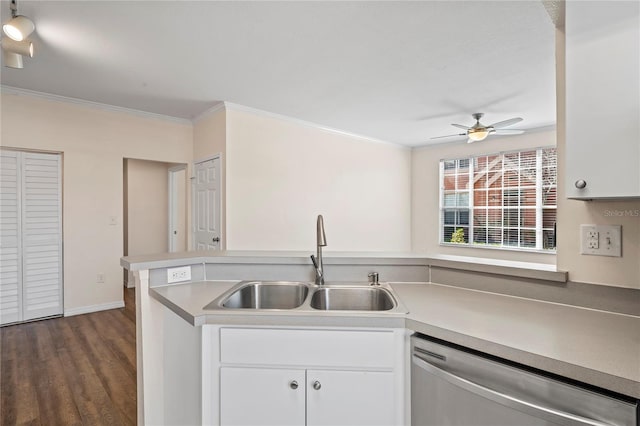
350, 398
261, 396
269, 376
270, 396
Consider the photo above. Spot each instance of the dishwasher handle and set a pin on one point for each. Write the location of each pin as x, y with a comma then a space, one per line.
551, 414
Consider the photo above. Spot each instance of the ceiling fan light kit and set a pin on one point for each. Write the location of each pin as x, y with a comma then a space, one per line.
479, 132
16, 45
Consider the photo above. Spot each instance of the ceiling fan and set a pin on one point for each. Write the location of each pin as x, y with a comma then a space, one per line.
479, 131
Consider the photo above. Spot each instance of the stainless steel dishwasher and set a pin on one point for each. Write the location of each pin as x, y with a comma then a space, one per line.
454, 386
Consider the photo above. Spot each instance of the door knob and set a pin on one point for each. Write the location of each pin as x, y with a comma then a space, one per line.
216, 239
317, 385
293, 384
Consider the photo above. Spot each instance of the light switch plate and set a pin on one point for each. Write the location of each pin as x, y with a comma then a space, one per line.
601, 240
176, 275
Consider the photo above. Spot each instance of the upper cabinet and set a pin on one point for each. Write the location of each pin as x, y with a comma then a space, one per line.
602, 99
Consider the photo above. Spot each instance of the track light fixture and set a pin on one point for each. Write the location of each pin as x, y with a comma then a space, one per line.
19, 27
16, 46
12, 60
24, 48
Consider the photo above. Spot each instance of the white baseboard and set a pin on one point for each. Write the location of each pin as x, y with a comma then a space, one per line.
93, 308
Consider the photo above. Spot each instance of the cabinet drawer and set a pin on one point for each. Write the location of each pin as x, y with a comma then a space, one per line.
299, 347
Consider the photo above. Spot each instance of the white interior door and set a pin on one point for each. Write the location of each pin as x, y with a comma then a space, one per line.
41, 235
206, 200
10, 242
31, 231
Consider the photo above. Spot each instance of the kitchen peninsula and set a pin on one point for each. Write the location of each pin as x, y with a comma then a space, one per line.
184, 349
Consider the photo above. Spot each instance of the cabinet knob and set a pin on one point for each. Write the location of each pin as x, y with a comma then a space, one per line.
293, 384
581, 184
317, 385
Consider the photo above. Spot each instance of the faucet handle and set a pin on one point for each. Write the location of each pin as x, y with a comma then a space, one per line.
373, 278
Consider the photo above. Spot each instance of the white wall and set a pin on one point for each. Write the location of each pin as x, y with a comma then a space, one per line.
425, 195
93, 142
281, 174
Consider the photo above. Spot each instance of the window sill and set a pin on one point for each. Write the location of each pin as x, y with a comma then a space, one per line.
540, 271
487, 247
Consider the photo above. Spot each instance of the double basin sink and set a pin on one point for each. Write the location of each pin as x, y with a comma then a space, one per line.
286, 295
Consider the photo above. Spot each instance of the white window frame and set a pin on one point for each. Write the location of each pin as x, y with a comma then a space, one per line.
539, 207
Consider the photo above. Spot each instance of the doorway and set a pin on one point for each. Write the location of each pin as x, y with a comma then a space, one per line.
147, 208
178, 208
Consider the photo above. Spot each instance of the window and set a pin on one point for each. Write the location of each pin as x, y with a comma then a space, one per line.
505, 200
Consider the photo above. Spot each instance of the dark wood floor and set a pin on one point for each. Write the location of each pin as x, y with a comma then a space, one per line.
78, 370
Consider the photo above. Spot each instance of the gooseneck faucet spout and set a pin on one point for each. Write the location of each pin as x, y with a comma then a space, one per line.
321, 241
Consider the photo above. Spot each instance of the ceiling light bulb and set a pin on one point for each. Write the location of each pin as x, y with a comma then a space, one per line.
20, 47
11, 59
19, 28
478, 135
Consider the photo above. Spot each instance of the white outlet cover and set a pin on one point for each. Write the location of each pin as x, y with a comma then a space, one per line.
176, 275
607, 243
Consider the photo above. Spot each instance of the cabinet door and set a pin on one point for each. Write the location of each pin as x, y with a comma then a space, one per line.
350, 398
602, 102
257, 396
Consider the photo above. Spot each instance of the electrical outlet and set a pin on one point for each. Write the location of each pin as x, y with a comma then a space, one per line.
601, 240
593, 239
175, 275
100, 278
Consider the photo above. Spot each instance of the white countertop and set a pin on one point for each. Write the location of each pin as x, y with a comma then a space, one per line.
595, 347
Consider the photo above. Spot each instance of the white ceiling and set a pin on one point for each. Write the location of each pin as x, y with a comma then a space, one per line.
395, 71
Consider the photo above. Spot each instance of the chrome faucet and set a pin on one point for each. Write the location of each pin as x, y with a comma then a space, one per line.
321, 241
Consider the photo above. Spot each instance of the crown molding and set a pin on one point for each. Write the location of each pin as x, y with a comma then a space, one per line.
10, 90
242, 108
219, 106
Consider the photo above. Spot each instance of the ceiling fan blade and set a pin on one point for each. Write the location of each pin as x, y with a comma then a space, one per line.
506, 132
461, 126
449, 136
506, 123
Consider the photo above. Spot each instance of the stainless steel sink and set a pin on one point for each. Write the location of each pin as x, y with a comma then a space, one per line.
359, 298
263, 295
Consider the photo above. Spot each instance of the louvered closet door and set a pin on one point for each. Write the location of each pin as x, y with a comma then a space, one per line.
41, 236
10, 251
30, 236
